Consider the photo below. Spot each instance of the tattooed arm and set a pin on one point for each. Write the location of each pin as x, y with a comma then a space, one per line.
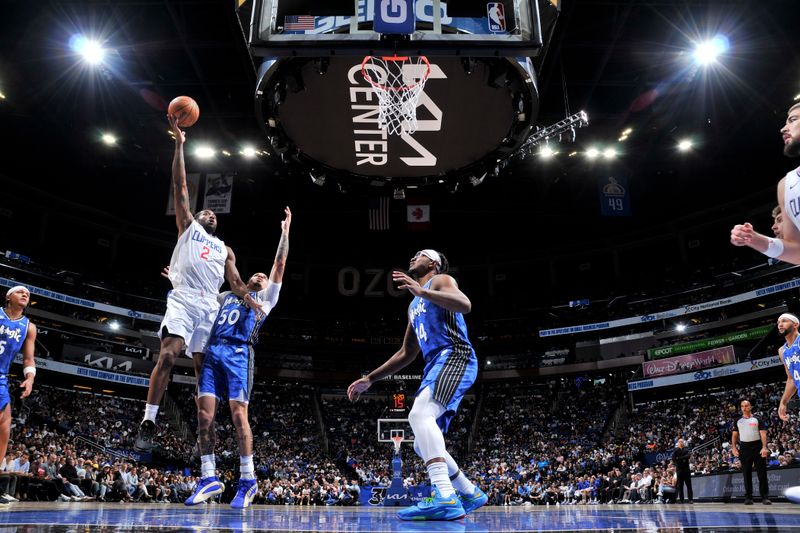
276, 275
180, 192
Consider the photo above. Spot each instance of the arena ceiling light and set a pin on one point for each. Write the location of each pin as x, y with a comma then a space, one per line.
609, 153
248, 152
546, 152
592, 153
91, 50
114, 325
2, 96
685, 145
108, 139
204, 152
707, 52
680, 328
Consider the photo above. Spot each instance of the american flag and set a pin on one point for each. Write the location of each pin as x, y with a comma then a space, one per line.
299, 22
379, 213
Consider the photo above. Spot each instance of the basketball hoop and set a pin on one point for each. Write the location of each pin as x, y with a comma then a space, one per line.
397, 441
398, 82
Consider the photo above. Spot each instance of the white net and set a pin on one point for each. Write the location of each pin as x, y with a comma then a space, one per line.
398, 82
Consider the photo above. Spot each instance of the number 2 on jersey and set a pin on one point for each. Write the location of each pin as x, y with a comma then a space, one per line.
204, 253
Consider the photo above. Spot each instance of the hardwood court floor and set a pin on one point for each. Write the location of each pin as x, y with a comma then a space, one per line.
116, 517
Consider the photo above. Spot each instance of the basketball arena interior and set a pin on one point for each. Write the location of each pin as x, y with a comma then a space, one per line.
584, 165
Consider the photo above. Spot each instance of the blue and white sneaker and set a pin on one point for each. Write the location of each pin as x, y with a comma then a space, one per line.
470, 503
244, 496
434, 508
208, 487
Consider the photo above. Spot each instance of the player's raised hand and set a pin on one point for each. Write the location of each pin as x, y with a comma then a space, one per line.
286, 221
407, 282
165, 272
357, 388
180, 135
742, 234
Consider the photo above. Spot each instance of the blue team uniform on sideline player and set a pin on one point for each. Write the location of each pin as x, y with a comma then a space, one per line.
791, 358
451, 366
12, 336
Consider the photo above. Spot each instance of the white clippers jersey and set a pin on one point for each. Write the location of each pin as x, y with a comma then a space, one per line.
791, 196
198, 261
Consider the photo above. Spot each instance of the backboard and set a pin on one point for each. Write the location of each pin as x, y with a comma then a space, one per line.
479, 104
425, 27
390, 427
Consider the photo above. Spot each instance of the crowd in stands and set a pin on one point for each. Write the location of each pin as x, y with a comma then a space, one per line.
546, 443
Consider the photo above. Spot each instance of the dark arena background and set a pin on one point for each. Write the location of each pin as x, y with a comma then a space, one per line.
581, 163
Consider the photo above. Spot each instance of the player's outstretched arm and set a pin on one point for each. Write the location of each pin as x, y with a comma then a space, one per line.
180, 191
401, 359
786, 249
238, 286
443, 292
28, 361
276, 275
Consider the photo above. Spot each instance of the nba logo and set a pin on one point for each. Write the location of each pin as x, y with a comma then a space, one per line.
496, 15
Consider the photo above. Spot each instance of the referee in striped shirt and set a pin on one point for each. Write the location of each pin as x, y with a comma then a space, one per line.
752, 436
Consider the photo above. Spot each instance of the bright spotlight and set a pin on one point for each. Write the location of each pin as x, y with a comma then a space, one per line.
114, 325
546, 152
2, 96
248, 151
204, 152
92, 51
706, 53
609, 153
796, 97
680, 328
592, 153
685, 145
109, 139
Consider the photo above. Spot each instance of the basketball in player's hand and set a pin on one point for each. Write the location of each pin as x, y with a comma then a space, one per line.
185, 109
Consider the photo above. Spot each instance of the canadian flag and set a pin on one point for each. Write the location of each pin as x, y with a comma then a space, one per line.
418, 214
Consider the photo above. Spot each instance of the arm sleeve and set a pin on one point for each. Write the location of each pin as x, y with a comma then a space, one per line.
735, 428
269, 296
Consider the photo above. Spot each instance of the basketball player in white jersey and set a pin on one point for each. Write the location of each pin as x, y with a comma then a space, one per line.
200, 263
787, 246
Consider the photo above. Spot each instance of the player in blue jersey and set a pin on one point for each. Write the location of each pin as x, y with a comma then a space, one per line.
790, 355
436, 327
17, 334
227, 374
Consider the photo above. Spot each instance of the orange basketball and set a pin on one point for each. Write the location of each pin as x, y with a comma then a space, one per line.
186, 109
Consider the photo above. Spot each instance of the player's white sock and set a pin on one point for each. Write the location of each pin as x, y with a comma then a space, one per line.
150, 412
208, 466
438, 474
462, 484
246, 470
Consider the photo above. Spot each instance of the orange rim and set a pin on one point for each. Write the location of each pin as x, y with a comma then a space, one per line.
394, 58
